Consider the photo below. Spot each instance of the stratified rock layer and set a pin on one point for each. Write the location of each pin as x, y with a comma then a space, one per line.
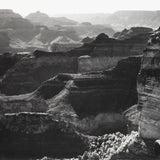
4, 42
101, 96
31, 71
149, 89
7, 61
103, 53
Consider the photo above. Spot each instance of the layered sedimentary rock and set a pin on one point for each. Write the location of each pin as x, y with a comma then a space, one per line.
63, 44
103, 53
4, 42
102, 95
133, 31
7, 61
105, 46
96, 63
148, 89
12, 20
30, 71
48, 121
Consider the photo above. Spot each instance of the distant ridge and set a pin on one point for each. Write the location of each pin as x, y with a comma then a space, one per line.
121, 19
43, 19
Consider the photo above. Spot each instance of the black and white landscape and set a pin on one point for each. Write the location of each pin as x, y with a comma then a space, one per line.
83, 86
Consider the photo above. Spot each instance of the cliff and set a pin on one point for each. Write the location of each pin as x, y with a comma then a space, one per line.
132, 32
4, 42
105, 46
7, 61
64, 44
32, 70
12, 20
148, 89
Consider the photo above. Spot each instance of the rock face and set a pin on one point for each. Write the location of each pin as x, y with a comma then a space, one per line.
4, 42
134, 31
12, 20
96, 63
7, 61
33, 135
64, 44
105, 46
77, 96
49, 120
103, 53
148, 89
30, 71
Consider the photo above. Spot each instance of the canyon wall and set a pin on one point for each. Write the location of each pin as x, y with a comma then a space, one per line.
149, 89
4, 42
86, 97
98, 63
104, 53
7, 61
53, 119
30, 71
105, 46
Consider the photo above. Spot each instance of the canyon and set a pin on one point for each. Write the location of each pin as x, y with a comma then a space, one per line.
96, 100
98, 55
60, 108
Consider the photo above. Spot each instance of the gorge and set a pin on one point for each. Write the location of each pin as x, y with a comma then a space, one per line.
98, 100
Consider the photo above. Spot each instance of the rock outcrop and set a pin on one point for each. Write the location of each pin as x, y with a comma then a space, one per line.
33, 69
118, 146
148, 89
12, 20
7, 61
105, 46
64, 44
134, 31
4, 42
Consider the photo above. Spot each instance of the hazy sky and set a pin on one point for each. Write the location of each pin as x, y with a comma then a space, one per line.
52, 7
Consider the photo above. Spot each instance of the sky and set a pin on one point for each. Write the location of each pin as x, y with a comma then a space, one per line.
51, 7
